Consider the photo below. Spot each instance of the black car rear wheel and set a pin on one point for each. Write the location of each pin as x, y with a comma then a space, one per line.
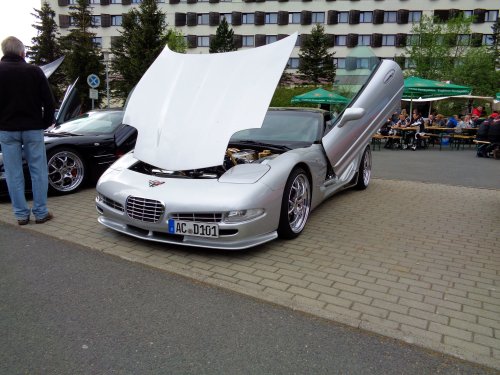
296, 205
67, 171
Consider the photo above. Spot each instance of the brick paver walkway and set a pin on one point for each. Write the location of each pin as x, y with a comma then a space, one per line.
414, 261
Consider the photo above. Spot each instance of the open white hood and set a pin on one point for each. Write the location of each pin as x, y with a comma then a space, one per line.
186, 107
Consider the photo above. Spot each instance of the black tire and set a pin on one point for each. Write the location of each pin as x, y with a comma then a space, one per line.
365, 170
295, 204
67, 171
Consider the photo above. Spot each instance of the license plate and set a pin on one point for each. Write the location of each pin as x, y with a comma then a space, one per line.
190, 228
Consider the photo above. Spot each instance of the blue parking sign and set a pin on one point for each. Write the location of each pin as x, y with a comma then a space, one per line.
93, 81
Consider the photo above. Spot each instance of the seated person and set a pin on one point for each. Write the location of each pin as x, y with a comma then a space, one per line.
482, 135
452, 122
440, 121
494, 130
417, 121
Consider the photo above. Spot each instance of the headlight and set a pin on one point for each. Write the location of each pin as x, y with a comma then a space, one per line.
239, 216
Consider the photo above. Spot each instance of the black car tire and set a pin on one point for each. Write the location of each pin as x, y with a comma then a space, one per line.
365, 170
295, 204
67, 171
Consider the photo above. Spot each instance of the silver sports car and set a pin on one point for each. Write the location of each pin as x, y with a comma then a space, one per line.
214, 167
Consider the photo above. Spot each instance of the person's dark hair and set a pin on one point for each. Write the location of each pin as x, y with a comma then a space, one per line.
12, 46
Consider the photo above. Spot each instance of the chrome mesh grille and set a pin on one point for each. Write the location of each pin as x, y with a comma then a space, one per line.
205, 217
111, 203
142, 209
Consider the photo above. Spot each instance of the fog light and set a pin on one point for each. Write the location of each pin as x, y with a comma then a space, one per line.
239, 216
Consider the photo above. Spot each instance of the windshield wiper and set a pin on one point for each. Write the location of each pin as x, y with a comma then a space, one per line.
60, 134
263, 144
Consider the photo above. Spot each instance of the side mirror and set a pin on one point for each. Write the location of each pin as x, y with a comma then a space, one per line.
351, 114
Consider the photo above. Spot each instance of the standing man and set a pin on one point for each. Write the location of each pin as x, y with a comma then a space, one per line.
26, 109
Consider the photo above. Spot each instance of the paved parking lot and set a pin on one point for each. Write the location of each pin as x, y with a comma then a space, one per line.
417, 261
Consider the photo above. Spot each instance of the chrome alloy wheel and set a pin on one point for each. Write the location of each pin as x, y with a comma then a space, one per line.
299, 203
367, 167
66, 171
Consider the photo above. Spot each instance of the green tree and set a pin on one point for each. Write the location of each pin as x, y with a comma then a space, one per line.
495, 45
316, 63
427, 53
141, 40
45, 46
82, 56
476, 69
176, 41
223, 40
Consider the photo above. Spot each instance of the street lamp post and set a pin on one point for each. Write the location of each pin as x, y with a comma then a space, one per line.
106, 61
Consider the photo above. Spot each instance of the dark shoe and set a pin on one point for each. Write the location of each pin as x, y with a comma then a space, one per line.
24, 221
45, 219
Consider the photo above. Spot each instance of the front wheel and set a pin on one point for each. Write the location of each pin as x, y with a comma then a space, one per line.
365, 170
295, 205
66, 171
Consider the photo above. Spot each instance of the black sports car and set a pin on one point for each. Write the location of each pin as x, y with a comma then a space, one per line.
80, 150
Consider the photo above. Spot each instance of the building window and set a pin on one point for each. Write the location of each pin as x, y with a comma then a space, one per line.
247, 18
97, 42
136, 1
203, 19
271, 18
388, 40
116, 20
226, 1
72, 21
95, 2
294, 18
318, 17
343, 17
72, 2
414, 16
248, 41
96, 21
115, 2
293, 63
468, 13
487, 39
203, 41
227, 16
364, 40
271, 39
362, 63
340, 40
491, 15
390, 17
365, 17
339, 63
463, 40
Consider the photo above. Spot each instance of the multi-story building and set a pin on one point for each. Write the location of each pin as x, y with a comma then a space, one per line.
383, 25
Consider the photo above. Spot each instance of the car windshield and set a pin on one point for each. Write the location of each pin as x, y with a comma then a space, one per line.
285, 127
91, 123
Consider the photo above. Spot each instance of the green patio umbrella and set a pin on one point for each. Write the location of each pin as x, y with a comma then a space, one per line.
320, 96
416, 87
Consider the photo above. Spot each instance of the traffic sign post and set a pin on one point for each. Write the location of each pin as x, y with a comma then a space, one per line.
93, 81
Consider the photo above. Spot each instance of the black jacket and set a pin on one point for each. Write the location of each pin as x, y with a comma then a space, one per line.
26, 101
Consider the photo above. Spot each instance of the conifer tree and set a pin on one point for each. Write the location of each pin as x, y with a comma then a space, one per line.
82, 55
223, 40
316, 63
45, 46
141, 40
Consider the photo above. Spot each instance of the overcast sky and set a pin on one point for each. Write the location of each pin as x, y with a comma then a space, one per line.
16, 19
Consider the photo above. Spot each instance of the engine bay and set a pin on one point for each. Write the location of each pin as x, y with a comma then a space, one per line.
234, 156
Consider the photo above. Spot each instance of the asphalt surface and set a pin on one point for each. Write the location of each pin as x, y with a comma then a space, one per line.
449, 167
66, 309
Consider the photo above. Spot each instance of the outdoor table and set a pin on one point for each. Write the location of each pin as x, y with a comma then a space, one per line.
440, 132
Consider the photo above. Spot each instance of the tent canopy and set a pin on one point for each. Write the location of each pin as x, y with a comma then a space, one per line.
416, 87
320, 96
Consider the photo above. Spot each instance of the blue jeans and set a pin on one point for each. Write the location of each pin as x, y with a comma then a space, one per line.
31, 142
